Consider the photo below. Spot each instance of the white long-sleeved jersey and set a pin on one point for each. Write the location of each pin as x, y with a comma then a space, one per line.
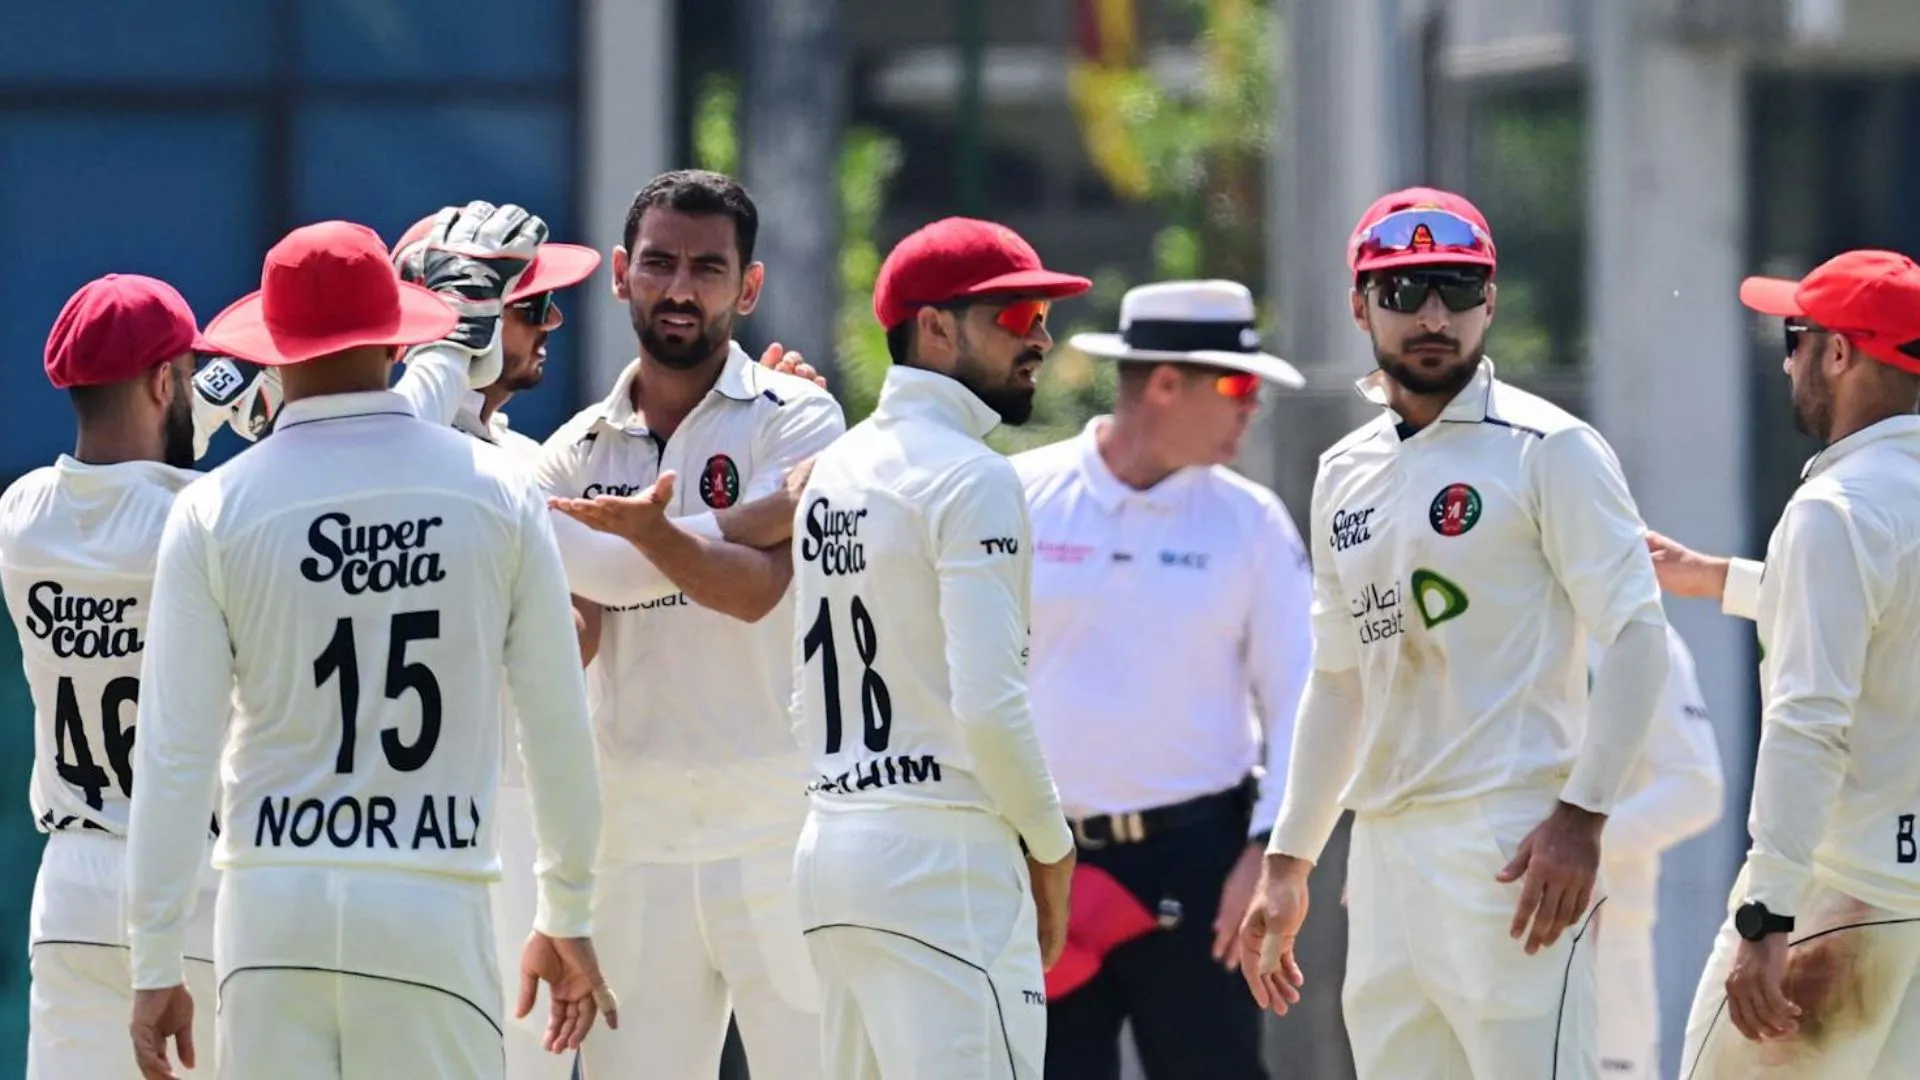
912, 565
695, 749
360, 578
1836, 788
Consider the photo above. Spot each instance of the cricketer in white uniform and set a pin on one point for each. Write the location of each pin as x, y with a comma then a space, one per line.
1673, 794
529, 313
1171, 637
912, 556
704, 786
349, 588
1816, 972
1466, 544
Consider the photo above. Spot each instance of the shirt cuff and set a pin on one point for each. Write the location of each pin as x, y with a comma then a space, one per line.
1776, 882
562, 911
1741, 596
1048, 843
157, 960
706, 526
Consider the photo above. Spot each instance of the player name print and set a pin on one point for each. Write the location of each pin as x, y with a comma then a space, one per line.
436, 822
879, 773
833, 539
76, 625
379, 557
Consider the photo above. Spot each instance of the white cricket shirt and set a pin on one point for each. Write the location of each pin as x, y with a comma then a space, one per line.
1673, 792
1837, 785
354, 585
1171, 631
1461, 569
912, 563
695, 749
77, 546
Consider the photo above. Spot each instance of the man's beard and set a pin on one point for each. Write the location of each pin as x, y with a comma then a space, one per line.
523, 372
1440, 384
177, 436
1813, 405
682, 356
1012, 402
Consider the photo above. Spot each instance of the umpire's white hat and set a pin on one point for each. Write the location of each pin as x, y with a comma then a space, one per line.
1193, 322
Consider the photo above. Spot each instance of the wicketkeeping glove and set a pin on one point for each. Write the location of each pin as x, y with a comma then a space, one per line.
473, 257
242, 395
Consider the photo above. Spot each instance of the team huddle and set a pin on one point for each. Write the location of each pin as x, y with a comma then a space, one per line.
709, 706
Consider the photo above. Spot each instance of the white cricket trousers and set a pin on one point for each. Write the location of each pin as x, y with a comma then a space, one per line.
1629, 1020
82, 992
1436, 989
333, 973
515, 896
1854, 970
922, 928
682, 943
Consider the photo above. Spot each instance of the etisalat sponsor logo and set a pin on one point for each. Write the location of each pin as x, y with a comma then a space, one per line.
1380, 611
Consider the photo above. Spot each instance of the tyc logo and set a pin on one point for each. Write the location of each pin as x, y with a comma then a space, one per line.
88, 627
833, 539
1001, 545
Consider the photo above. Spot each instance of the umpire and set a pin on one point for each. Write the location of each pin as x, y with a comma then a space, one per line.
1170, 642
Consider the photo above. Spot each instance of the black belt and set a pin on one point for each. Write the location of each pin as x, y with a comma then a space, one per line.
1101, 830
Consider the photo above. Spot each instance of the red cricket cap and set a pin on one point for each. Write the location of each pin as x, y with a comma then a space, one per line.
1871, 298
555, 266
957, 258
326, 288
116, 328
1421, 198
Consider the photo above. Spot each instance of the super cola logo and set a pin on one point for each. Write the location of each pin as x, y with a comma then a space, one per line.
77, 625
377, 557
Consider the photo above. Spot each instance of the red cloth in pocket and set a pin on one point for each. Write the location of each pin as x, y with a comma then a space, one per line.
1103, 917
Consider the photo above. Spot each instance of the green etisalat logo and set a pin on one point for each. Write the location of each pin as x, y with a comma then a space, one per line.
1436, 598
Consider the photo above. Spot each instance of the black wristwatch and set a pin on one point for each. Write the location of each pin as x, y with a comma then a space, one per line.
1754, 921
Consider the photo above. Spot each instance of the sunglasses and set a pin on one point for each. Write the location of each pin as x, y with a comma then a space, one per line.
1795, 330
536, 309
1406, 292
1423, 231
1018, 317
1237, 386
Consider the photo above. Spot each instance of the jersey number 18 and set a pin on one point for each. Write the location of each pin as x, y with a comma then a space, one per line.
876, 705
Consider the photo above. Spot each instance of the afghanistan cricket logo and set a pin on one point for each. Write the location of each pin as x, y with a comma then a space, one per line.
719, 482
1455, 510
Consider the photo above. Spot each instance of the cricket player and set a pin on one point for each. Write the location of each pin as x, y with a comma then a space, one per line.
928, 929
704, 785
1171, 637
1466, 544
1816, 972
77, 544
1672, 794
350, 587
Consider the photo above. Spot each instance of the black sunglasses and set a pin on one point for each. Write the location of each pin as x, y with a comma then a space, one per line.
1405, 292
536, 309
1795, 329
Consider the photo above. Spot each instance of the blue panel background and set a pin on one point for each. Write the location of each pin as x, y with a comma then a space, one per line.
423, 40
172, 42
87, 194
388, 166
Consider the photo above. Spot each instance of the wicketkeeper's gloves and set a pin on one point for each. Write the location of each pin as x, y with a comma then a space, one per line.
473, 257
245, 396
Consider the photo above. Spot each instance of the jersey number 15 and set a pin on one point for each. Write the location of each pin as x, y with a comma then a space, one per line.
339, 660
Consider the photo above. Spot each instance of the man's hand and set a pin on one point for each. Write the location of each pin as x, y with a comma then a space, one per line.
1270, 928
159, 1015
1685, 572
1236, 896
1052, 899
473, 257
1756, 1001
576, 990
632, 517
791, 363
1560, 859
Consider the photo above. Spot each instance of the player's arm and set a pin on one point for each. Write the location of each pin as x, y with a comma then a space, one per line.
983, 612
1816, 656
1682, 797
1592, 537
186, 691
434, 379
1733, 582
698, 553
1279, 651
556, 741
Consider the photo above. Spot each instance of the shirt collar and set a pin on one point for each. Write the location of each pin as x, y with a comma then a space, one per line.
933, 396
1472, 405
1110, 492
737, 381
337, 406
159, 472
1892, 427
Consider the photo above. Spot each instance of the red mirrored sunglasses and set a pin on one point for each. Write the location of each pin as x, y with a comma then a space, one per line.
1237, 385
1019, 316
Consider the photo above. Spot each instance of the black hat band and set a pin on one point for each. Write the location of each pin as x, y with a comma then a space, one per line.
1180, 335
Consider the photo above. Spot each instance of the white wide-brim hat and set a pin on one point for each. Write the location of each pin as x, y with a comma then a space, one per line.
1191, 322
